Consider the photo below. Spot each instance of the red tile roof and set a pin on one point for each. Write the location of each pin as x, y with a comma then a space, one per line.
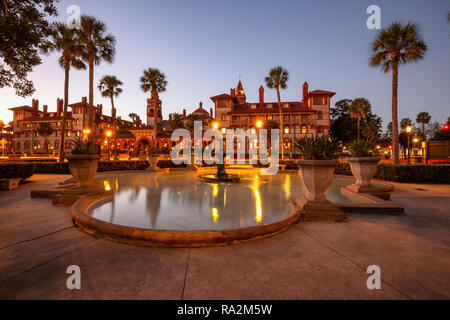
321, 92
223, 96
293, 107
21, 108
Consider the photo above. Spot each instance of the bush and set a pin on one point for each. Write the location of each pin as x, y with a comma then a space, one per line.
363, 148
290, 164
317, 147
164, 164
63, 167
405, 173
9, 170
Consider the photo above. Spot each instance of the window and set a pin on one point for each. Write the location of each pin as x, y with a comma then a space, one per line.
304, 117
253, 106
58, 124
222, 104
320, 115
18, 146
304, 130
286, 117
286, 130
286, 105
68, 133
223, 117
319, 130
318, 101
269, 106
78, 121
269, 117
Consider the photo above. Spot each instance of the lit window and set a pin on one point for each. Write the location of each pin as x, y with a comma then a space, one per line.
286, 105
269, 106
269, 117
304, 129
286, 130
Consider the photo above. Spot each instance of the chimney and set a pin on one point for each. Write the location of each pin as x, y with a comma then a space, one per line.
119, 118
99, 109
45, 109
261, 97
184, 113
201, 104
211, 113
35, 104
59, 105
233, 92
305, 92
84, 99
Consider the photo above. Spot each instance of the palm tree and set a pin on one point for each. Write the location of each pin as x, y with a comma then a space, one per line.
397, 45
176, 121
154, 81
405, 122
109, 86
359, 108
278, 78
64, 40
133, 116
97, 46
423, 118
2, 126
45, 130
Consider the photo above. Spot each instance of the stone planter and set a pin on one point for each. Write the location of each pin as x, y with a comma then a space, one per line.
83, 168
153, 160
317, 176
363, 169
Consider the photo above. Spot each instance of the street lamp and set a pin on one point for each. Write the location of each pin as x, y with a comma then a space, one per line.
259, 125
108, 135
215, 125
408, 130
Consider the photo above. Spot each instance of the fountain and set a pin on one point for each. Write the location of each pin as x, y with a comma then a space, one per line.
221, 175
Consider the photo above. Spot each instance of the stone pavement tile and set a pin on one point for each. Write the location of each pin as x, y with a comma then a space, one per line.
109, 270
417, 267
291, 265
19, 258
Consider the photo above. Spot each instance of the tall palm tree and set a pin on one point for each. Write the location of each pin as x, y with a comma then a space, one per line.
65, 41
359, 108
397, 45
97, 46
154, 81
423, 118
133, 116
278, 78
109, 86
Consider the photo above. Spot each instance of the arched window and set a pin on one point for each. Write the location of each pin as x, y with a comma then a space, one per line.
18, 146
320, 115
304, 129
68, 144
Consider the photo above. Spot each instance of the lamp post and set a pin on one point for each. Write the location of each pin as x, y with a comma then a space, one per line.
408, 130
108, 135
259, 125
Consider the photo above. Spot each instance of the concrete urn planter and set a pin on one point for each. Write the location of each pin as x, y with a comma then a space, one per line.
363, 169
153, 160
317, 176
83, 168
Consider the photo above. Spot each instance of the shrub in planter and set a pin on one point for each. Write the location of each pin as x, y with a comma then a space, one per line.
83, 162
316, 171
363, 164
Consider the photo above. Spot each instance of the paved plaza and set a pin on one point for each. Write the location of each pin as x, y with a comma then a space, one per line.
309, 261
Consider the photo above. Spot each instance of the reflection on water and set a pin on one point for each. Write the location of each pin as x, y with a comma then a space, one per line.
180, 201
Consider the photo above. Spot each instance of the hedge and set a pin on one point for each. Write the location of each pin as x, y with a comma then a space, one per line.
404, 173
103, 166
16, 170
164, 164
290, 164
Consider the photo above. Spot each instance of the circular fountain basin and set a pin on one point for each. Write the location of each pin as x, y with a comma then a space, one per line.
179, 209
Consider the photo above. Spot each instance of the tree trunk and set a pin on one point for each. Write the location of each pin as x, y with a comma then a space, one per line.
395, 155
113, 114
359, 121
91, 118
281, 124
64, 117
423, 131
155, 116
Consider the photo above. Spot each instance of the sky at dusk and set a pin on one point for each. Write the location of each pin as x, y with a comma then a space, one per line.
204, 45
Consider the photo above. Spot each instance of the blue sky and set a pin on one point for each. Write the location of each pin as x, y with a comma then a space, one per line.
204, 45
